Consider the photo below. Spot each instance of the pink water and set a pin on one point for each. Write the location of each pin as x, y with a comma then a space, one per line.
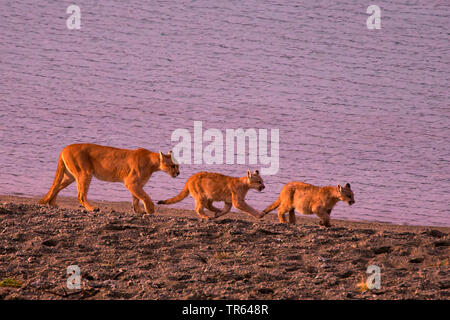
369, 107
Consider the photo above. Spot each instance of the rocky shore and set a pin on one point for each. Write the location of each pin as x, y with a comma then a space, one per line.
174, 255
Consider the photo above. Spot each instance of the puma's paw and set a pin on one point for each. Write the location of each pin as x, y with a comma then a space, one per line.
138, 210
325, 224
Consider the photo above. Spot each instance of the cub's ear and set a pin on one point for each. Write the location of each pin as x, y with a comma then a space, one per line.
170, 152
249, 174
256, 172
339, 187
347, 185
161, 155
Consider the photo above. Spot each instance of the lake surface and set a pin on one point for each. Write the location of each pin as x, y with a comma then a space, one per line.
368, 107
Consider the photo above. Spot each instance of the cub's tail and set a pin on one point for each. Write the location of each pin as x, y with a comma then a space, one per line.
273, 206
183, 194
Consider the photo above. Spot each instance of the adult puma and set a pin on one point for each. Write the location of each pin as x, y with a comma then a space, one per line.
206, 187
81, 162
309, 199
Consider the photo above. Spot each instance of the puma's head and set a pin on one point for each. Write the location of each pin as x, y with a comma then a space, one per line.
168, 164
346, 194
255, 181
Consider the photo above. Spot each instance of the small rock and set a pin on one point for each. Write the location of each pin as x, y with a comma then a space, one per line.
265, 290
50, 243
88, 277
444, 284
110, 284
318, 281
184, 277
435, 233
367, 231
442, 243
383, 249
406, 252
96, 284
416, 260
311, 269
293, 268
294, 257
345, 274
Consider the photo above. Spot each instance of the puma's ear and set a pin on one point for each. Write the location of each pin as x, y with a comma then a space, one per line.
249, 174
339, 188
172, 157
161, 156
256, 172
347, 185
170, 152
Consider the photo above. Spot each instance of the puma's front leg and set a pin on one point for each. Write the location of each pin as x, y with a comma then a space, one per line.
324, 218
138, 192
136, 207
212, 208
225, 210
243, 206
292, 216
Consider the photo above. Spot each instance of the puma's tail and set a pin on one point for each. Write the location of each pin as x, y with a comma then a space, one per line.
273, 206
56, 182
183, 194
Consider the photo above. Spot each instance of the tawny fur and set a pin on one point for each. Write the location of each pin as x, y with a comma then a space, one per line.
207, 187
309, 199
81, 162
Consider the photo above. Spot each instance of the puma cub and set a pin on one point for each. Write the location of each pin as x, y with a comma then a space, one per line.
206, 187
309, 199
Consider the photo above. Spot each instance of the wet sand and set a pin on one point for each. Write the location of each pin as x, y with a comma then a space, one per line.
175, 255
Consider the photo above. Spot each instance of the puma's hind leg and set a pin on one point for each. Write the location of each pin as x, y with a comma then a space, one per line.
67, 180
211, 207
60, 174
81, 169
83, 182
200, 204
282, 209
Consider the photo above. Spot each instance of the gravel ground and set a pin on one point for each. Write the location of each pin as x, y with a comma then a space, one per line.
174, 255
